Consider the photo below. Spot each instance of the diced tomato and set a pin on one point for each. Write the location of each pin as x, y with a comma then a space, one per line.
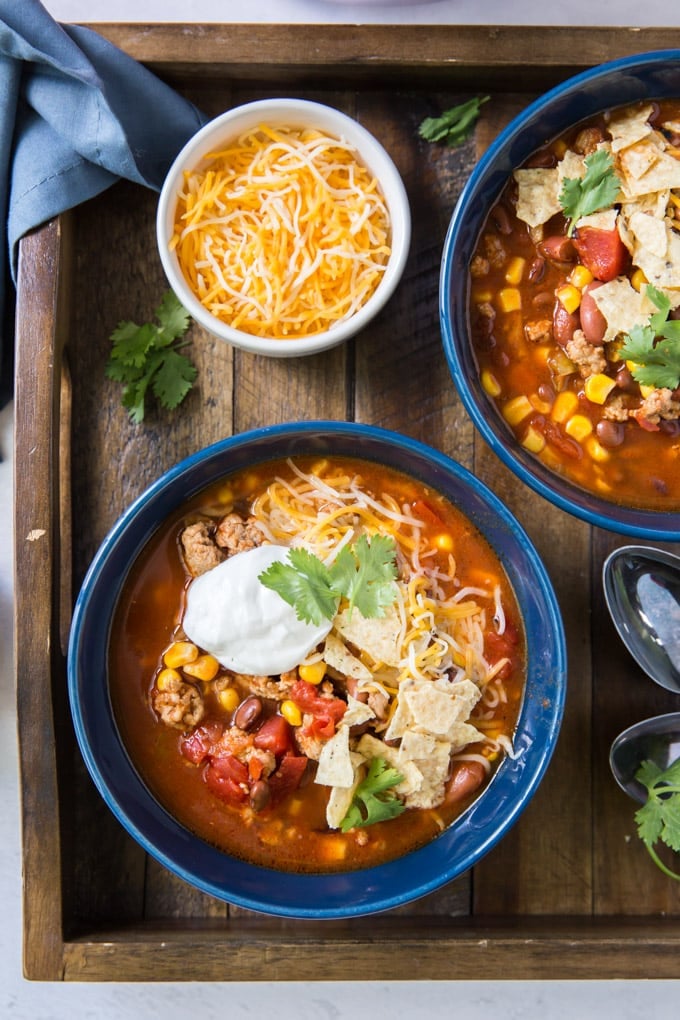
287, 776
274, 735
602, 252
228, 778
196, 747
425, 512
327, 712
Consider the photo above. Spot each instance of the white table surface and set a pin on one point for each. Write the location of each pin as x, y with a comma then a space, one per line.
475, 999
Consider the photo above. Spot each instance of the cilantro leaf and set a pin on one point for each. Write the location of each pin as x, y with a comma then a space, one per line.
305, 584
364, 574
658, 820
453, 126
597, 189
654, 347
148, 357
374, 798
370, 586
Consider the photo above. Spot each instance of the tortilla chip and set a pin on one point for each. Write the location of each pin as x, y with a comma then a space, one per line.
461, 734
538, 195
630, 127
432, 706
622, 306
654, 204
649, 232
645, 169
604, 220
663, 271
335, 764
378, 637
338, 656
370, 747
432, 758
340, 798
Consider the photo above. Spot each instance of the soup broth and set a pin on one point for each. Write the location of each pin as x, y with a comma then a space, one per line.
560, 286
403, 713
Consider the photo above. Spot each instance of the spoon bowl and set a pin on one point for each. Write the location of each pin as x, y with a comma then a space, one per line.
656, 739
642, 591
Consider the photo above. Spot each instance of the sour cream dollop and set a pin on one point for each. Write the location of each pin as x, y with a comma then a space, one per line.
247, 627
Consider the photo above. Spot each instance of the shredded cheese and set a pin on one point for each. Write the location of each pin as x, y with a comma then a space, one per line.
282, 234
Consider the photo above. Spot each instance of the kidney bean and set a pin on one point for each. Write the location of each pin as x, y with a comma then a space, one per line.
564, 324
557, 248
588, 140
465, 779
609, 433
537, 270
247, 713
670, 426
544, 159
543, 299
260, 795
593, 322
501, 218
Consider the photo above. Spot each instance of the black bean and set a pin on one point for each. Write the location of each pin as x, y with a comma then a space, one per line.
609, 433
260, 795
247, 713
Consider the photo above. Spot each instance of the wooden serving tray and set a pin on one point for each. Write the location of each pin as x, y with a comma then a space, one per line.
570, 892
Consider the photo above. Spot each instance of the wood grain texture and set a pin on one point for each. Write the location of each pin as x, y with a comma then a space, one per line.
569, 892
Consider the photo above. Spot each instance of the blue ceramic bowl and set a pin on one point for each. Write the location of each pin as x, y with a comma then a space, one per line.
336, 895
605, 86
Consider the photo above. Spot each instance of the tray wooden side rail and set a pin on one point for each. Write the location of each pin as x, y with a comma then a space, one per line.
570, 892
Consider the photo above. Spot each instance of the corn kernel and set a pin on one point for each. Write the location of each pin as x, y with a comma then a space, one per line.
515, 270
516, 409
646, 391
312, 672
598, 387
205, 668
631, 365
179, 653
533, 440
509, 299
166, 679
565, 405
578, 427
542, 406
444, 542
291, 713
581, 277
482, 297
597, 452
603, 486
638, 280
569, 297
559, 148
229, 699
490, 383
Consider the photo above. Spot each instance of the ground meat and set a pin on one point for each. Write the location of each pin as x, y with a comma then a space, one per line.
539, 331
479, 266
589, 358
660, 404
276, 688
236, 535
200, 551
495, 251
616, 409
179, 704
308, 743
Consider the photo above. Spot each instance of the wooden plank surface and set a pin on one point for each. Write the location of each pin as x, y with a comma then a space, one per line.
568, 892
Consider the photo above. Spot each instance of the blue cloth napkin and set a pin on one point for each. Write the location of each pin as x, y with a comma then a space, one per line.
76, 114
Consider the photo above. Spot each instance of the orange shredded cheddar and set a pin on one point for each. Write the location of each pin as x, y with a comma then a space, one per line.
283, 233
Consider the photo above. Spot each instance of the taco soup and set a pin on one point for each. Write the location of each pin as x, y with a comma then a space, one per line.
575, 302
317, 665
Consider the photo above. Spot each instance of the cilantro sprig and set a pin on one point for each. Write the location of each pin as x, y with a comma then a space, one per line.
453, 126
654, 346
597, 189
147, 359
658, 819
363, 573
374, 798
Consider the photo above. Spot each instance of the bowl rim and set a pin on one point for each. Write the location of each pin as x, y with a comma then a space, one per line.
474, 833
289, 110
640, 523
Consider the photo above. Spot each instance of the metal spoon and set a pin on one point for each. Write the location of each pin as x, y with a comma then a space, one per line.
656, 739
642, 590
